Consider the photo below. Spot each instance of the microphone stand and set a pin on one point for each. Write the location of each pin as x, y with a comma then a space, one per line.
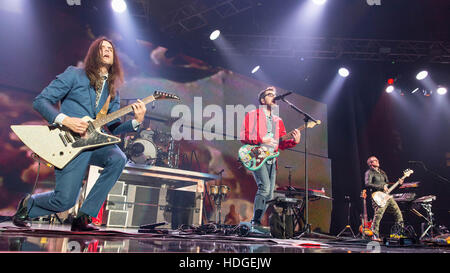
307, 230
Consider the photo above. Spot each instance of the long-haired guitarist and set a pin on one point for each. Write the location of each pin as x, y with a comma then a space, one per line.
377, 180
83, 92
263, 127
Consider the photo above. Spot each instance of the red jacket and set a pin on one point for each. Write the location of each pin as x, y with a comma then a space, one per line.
254, 128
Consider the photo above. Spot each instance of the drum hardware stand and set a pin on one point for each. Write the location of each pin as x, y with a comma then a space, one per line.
296, 210
219, 194
290, 174
348, 226
307, 231
194, 154
429, 219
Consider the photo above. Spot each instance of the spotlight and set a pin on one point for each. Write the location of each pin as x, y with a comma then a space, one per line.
214, 35
119, 6
441, 90
422, 75
390, 89
344, 72
256, 68
319, 2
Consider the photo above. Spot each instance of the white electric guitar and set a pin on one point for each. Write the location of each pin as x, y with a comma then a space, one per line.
58, 145
381, 198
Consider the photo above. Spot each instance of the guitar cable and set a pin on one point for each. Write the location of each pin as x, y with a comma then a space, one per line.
35, 157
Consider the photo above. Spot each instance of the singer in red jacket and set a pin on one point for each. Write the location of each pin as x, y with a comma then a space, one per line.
263, 127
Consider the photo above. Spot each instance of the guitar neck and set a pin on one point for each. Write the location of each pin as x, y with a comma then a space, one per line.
119, 113
365, 211
395, 185
289, 135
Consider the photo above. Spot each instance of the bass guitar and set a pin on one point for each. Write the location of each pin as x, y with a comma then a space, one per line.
58, 145
381, 198
366, 226
254, 156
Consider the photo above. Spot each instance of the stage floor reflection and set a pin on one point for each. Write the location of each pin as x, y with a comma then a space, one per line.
56, 238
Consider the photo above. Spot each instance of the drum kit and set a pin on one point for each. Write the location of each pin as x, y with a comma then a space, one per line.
153, 148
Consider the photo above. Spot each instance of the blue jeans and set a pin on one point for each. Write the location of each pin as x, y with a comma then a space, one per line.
69, 181
265, 181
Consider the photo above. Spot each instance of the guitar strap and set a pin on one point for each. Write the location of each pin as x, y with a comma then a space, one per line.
105, 107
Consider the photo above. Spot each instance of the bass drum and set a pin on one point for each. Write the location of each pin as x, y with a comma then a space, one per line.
142, 151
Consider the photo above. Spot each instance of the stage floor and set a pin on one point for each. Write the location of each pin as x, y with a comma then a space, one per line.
57, 238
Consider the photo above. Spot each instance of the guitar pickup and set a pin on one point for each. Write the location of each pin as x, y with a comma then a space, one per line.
68, 137
63, 139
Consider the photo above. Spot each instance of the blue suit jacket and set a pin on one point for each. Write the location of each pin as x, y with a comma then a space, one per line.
77, 98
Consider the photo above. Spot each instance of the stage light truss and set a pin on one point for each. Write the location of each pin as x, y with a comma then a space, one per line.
199, 13
142, 9
333, 48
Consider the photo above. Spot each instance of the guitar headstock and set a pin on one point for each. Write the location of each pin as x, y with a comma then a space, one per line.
364, 194
158, 95
407, 172
311, 123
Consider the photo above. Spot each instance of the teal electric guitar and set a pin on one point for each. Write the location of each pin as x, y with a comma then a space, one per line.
254, 156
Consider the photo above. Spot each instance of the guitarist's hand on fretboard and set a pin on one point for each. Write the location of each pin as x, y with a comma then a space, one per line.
296, 134
139, 110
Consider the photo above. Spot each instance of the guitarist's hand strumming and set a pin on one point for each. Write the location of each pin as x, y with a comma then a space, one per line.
270, 141
77, 125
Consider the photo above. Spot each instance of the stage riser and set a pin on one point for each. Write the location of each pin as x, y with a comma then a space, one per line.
131, 203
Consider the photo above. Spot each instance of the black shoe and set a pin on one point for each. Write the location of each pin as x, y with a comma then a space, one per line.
83, 223
20, 219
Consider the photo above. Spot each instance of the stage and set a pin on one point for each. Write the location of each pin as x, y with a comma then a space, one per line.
311, 118
57, 238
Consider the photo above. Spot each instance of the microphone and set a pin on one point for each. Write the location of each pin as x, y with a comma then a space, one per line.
220, 172
279, 97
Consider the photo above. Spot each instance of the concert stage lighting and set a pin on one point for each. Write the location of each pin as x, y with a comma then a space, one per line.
256, 68
422, 75
119, 6
441, 90
319, 2
343, 72
390, 89
214, 35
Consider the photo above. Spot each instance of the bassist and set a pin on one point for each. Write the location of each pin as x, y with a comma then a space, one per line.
377, 180
262, 126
